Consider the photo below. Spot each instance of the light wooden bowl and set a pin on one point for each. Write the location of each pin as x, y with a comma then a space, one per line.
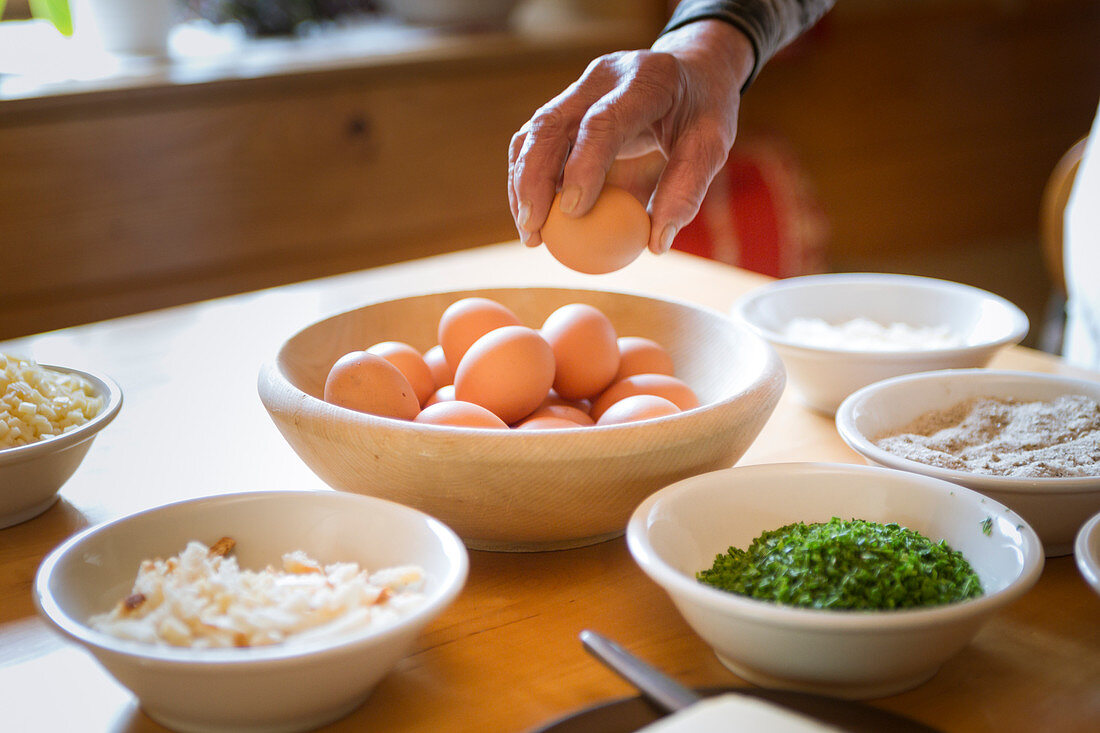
524, 490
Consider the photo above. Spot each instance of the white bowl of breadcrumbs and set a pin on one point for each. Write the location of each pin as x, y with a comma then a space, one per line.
1028, 440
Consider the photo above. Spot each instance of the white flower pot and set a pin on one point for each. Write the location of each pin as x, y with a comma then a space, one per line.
137, 27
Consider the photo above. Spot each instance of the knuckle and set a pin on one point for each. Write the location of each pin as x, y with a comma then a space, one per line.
548, 120
516, 144
709, 144
658, 67
601, 122
585, 170
608, 63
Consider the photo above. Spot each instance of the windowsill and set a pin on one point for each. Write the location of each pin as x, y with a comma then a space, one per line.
37, 62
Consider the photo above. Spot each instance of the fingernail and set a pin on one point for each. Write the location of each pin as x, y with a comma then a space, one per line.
570, 197
524, 214
667, 236
531, 239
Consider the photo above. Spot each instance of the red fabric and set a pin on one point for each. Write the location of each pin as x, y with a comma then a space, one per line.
760, 213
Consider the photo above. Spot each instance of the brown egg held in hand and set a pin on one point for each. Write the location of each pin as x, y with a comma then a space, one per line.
467, 320
508, 371
609, 237
661, 385
460, 415
411, 364
635, 408
638, 355
585, 350
368, 383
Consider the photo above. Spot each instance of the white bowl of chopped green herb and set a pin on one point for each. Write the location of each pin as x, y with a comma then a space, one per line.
1086, 551
1028, 440
687, 528
841, 331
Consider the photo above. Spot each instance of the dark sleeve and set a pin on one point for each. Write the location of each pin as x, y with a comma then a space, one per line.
768, 24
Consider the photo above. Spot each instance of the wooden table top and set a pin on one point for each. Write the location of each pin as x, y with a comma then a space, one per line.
506, 655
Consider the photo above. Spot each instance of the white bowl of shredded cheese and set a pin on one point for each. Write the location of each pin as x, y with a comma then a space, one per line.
836, 333
49, 416
265, 611
1030, 441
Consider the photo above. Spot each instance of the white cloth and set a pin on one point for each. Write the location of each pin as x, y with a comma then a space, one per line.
733, 713
1081, 245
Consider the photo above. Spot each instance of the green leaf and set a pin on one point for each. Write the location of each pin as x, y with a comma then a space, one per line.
55, 11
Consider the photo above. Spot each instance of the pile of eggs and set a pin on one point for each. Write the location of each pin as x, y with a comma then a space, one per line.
491, 371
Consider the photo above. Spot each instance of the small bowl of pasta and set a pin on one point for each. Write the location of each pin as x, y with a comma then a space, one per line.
49, 417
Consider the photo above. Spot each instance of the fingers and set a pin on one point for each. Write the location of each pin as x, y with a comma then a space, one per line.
577, 136
626, 104
619, 122
537, 152
693, 163
521, 218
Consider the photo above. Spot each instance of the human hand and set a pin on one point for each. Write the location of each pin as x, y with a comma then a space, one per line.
658, 122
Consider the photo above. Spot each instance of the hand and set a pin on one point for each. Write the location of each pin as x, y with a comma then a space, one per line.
658, 122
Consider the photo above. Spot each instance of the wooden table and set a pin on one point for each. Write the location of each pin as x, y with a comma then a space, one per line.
505, 656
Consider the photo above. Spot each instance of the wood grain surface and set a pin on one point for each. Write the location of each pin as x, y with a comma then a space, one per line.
506, 656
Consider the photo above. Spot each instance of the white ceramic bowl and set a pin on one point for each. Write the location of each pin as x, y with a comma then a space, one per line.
1086, 551
525, 490
1054, 507
822, 377
271, 688
855, 654
32, 474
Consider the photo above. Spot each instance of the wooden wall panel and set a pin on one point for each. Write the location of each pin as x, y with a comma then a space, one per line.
928, 130
156, 197
925, 126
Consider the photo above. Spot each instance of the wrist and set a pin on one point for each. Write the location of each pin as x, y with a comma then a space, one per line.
714, 45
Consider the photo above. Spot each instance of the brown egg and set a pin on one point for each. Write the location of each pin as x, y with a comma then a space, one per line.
563, 412
661, 385
442, 374
459, 414
446, 393
637, 407
368, 383
585, 350
642, 356
411, 364
507, 371
547, 422
467, 320
609, 237
553, 398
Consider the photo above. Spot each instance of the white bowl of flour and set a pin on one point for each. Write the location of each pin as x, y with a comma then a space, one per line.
836, 333
1028, 440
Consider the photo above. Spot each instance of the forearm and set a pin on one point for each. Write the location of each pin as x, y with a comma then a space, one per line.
767, 24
